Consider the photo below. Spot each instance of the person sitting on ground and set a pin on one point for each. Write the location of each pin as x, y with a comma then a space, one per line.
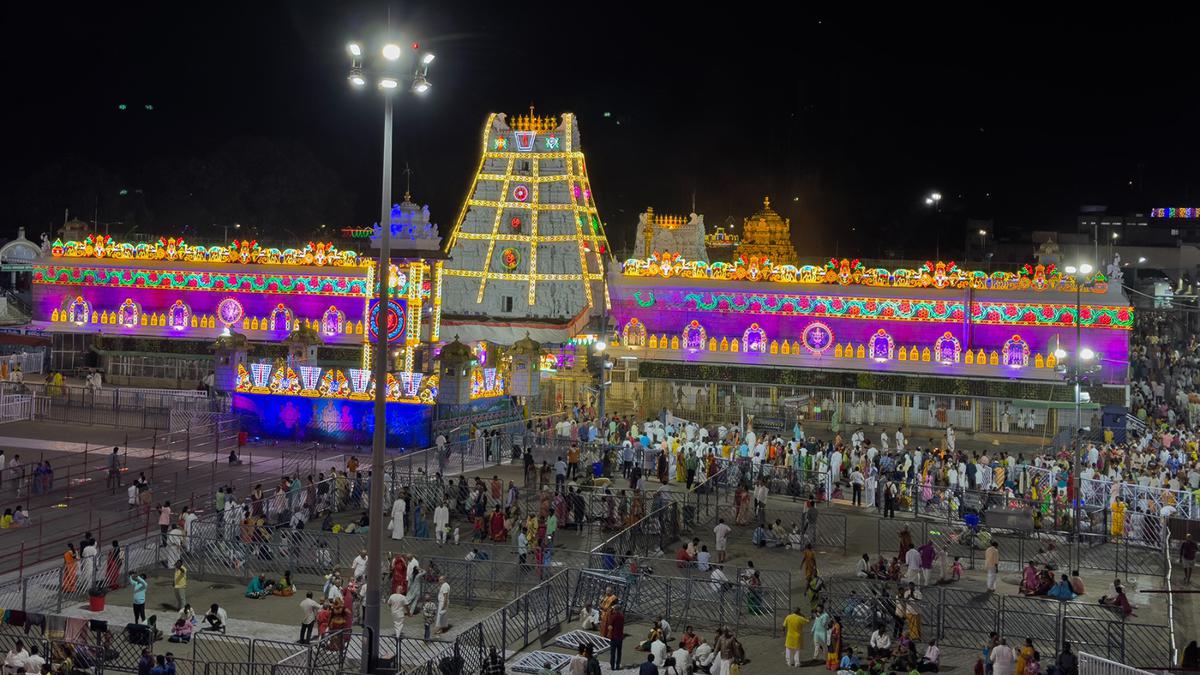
862, 568
1029, 579
1062, 590
682, 559
880, 644
181, 631
1045, 582
285, 588
234, 458
689, 640
795, 538
1076, 583
258, 587
589, 617
848, 662
216, 618
879, 570
894, 570
1119, 602
655, 634
932, 659
778, 533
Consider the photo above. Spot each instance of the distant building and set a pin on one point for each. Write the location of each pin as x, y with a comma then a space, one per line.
670, 234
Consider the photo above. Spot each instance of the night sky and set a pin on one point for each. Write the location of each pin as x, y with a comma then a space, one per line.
845, 125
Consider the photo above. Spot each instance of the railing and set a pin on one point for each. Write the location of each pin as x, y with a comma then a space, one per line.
1060, 549
1090, 664
964, 618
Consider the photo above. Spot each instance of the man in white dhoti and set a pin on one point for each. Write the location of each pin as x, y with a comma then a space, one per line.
441, 522
397, 604
399, 508
950, 437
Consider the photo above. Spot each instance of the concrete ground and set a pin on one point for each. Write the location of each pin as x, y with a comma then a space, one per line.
278, 618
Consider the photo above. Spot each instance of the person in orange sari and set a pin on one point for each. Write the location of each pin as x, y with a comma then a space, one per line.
741, 504
606, 605
833, 653
70, 569
496, 528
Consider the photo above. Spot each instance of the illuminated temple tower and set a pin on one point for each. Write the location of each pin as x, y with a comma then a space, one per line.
768, 235
657, 233
528, 248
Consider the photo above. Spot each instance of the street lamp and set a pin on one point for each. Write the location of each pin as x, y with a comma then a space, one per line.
1076, 370
389, 72
934, 199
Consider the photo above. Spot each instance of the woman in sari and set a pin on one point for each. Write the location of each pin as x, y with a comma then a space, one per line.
637, 509
496, 529
662, 466
607, 602
1118, 518
927, 488
112, 570
680, 468
420, 527
338, 622
809, 562
70, 569
741, 506
833, 653
1024, 656
1029, 579
399, 578
754, 603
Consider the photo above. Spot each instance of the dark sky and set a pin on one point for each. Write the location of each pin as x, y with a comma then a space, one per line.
845, 124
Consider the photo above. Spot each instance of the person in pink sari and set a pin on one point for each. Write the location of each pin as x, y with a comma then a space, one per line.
1029, 579
927, 488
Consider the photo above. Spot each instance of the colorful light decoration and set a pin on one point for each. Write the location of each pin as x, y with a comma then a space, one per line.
852, 272
501, 143
881, 346
310, 377
128, 313
892, 309
333, 321
1175, 212
281, 318
246, 252
510, 258
525, 140
395, 320
360, 382
634, 333
521, 193
261, 374
333, 384
178, 315
410, 383
817, 338
284, 380
515, 223
79, 311
230, 311
947, 349
754, 339
1015, 353
286, 284
694, 336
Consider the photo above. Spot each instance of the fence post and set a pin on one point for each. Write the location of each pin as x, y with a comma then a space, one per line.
504, 628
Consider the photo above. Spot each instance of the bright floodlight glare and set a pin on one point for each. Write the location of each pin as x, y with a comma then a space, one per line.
354, 49
1142, 259
1060, 353
983, 233
1071, 269
937, 196
1086, 268
1087, 354
391, 52
356, 77
929, 200
428, 59
421, 85
1116, 235
600, 345
389, 83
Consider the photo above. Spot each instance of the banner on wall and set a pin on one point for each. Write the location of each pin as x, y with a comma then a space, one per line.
331, 420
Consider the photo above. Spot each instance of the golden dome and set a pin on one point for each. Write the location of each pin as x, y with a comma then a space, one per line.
766, 234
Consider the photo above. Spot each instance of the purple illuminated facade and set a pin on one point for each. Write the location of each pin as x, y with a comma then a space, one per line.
919, 331
198, 300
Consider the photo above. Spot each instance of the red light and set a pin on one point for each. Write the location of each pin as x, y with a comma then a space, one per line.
416, 46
